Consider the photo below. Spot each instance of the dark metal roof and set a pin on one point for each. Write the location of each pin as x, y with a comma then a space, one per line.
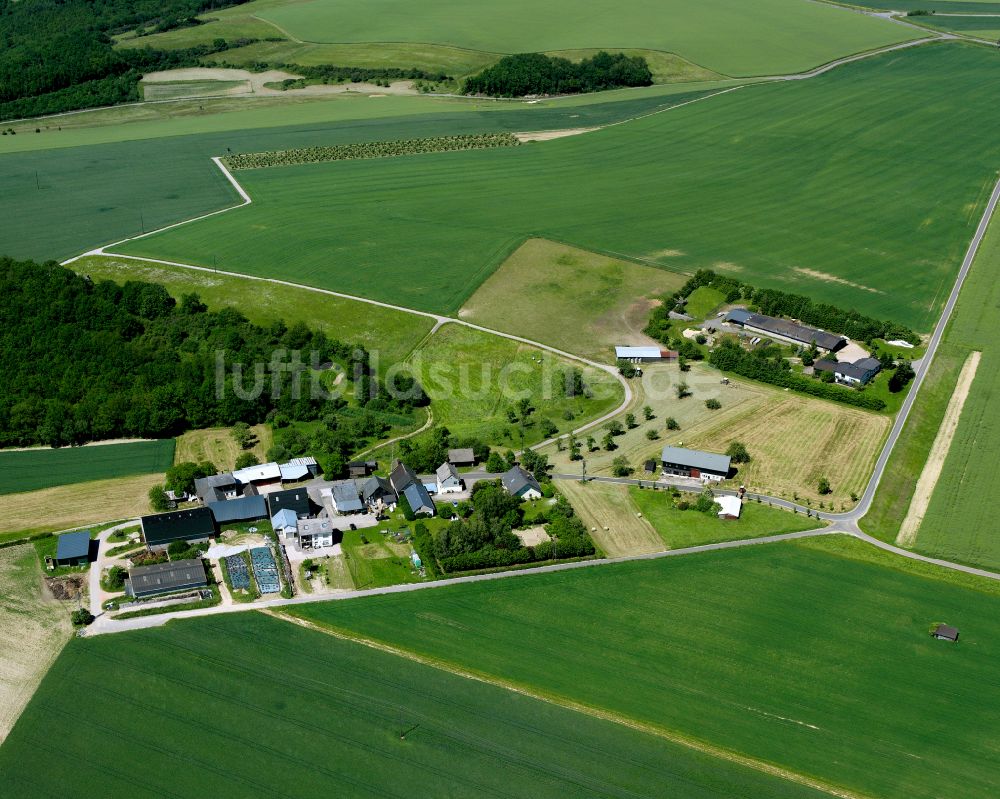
696, 459
375, 487
517, 479
738, 315
167, 576
795, 331
243, 509
73, 545
402, 476
297, 499
162, 528
418, 498
946, 631
345, 496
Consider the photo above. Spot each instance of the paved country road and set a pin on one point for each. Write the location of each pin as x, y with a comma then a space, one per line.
841, 523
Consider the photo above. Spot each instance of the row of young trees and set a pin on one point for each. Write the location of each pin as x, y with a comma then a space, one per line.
82, 361
773, 302
535, 73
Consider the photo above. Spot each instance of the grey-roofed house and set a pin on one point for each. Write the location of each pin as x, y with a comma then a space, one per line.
285, 524
793, 333
217, 487
858, 373
402, 476
695, 463
241, 509
448, 481
193, 525
315, 533
164, 578
296, 499
345, 497
73, 549
377, 493
519, 483
420, 501
945, 632
463, 456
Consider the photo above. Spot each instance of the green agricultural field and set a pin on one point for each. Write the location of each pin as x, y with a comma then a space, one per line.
688, 528
474, 378
941, 6
784, 652
958, 524
577, 301
979, 27
728, 36
30, 470
244, 704
811, 185
702, 301
389, 335
67, 192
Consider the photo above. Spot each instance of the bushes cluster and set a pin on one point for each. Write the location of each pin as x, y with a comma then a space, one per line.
773, 302
766, 365
82, 361
331, 73
375, 149
535, 73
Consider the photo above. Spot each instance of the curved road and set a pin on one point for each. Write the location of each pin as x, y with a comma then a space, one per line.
841, 523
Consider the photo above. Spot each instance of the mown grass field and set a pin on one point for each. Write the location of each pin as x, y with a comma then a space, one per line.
689, 528
577, 301
958, 524
67, 506
601, 505
216, 445
728, 36
30, 470
252, 705
33, 628
389, 335
819, 663
67, 191
827, 200
473, 378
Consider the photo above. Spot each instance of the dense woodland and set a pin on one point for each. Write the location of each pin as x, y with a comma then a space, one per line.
81, 361
535, 73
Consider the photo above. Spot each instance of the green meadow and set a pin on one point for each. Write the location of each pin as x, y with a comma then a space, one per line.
959, 523
729, 36
68, 191
246, 705
860, 188
982, 27
793, 654
30, 470
475, 378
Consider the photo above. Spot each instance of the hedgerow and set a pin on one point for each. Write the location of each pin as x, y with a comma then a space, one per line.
376, 149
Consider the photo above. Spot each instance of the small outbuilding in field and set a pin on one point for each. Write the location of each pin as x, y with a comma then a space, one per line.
944, 632
730, 506
73, 549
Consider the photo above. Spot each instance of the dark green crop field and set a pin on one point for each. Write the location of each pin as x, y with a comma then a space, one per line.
60, 202
43, 468
861, 187
245, 705
789, 653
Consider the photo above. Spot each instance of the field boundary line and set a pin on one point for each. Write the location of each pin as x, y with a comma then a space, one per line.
566, 703
934, 465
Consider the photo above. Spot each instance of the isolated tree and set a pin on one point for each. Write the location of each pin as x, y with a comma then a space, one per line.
647, 413
620, 467
824, 486
713, 404
495, 463
652, 434
672, 424
904, 374
548, 428
683, 390
609, 441
706, 503
614, 428
243, 435
158, 499
626, 368
591, 444
81, 617
737, 452
246, 459
630, 421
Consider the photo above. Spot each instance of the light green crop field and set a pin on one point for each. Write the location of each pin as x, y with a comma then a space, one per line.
941, 6
728, 36
817, 663
248, 705
61, 200
811, 186
30, 470
473, 378
958, 524
577, 301
688, 528
389, 335
979, 27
